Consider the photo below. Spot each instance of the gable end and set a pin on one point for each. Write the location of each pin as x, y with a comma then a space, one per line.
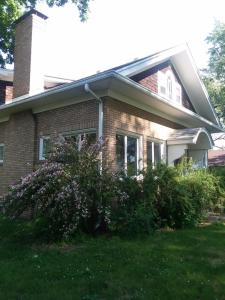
149, 79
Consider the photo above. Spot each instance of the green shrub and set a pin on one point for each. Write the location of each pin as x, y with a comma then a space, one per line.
203, 190
179, 198
68, 192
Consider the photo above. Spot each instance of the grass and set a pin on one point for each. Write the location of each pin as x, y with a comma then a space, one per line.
185, 264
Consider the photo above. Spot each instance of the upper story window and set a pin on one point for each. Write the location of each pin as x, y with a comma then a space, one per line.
168, 87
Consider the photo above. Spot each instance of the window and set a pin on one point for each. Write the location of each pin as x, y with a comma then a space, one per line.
2, 147
44, 147
79, 138
154, 152
168, 87
127, 154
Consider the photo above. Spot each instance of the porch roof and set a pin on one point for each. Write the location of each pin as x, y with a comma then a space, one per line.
188, 136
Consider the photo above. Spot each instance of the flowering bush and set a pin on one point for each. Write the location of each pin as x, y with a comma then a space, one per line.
69, 191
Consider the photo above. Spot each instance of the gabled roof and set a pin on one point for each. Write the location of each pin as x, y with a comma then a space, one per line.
117, 83
49, 81
216, 157
182, 61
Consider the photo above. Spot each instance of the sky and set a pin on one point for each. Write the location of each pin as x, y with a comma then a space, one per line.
119, 31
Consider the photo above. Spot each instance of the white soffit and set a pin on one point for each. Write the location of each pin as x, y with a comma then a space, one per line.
188, 74
182, 60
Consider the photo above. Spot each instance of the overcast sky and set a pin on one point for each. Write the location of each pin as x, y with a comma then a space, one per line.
118, 31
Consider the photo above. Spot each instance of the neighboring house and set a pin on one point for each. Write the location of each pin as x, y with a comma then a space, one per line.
150, 110
216, 158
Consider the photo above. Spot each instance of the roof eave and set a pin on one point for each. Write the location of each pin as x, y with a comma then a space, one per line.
104, 82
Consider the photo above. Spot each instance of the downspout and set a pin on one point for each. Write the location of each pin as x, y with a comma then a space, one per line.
100, 111
100, 117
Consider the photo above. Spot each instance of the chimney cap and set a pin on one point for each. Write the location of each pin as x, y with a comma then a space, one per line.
31, 12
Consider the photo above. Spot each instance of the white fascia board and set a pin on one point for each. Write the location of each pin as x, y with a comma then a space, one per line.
60, 96
187, 71
167, 104
193, 140
103, 83
151, 61
180, 142
171, 54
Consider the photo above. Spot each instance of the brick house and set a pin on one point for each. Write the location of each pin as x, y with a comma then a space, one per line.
150, 110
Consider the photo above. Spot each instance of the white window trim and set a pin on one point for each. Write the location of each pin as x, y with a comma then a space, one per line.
79, 133
162, 149
2, 160
162, 81
139, 138
41, 147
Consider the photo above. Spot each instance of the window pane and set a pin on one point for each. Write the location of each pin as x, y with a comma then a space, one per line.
71, 138
131, 156
120, 151
157, 153
46, 147
178, 93
1, 153
90, 138
149, 153
169, 87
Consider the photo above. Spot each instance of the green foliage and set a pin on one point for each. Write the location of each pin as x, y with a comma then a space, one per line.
219, 173
133, 213
198, 192
68, 192
214, 77
216, 90
216, 40
165, 197
10, 10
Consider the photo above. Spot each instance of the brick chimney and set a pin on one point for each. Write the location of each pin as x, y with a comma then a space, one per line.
29, 54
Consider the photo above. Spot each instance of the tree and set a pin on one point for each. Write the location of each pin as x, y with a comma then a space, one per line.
216, 40
10, 10
214, 76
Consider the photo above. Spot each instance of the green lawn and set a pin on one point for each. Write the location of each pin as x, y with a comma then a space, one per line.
186, 264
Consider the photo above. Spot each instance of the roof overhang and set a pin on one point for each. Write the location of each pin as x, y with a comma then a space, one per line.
183, 62
189, 137
6, 75
108, 84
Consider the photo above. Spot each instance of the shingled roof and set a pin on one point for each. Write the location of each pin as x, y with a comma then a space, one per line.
216, 157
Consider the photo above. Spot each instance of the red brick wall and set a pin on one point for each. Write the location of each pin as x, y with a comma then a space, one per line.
121, 116
6, 91
22, 132
18, 137
149, 79
61, 120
